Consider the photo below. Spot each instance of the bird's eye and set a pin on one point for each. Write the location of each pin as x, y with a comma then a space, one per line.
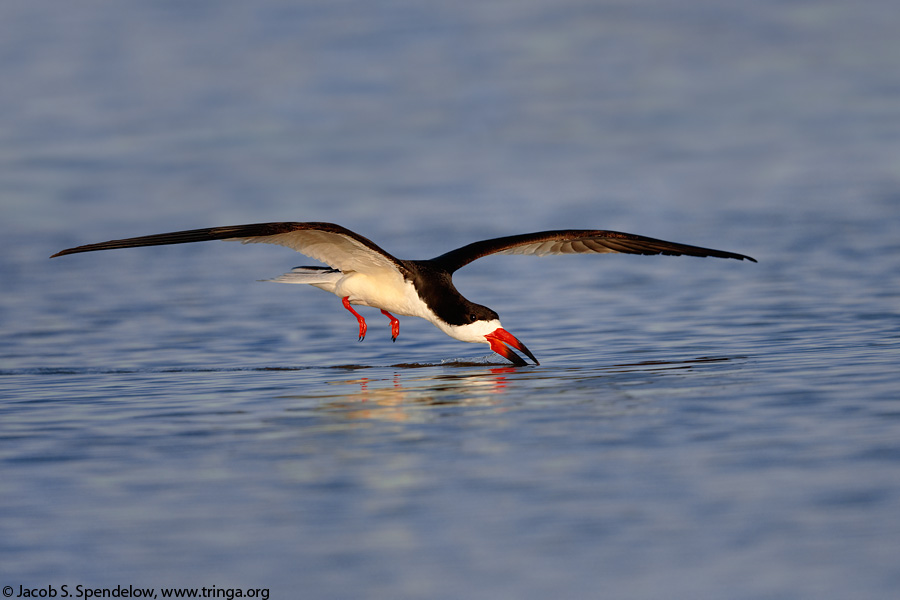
473, 317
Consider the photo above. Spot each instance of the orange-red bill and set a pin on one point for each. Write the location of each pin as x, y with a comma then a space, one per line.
500, 341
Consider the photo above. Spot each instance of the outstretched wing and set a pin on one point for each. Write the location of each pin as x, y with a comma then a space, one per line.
574, 241
331, 244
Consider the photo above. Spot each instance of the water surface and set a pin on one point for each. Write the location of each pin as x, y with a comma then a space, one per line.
697, 428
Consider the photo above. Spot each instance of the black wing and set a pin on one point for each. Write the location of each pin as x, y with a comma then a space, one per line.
574, 241
332, 244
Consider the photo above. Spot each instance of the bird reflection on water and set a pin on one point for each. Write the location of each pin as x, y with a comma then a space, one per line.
398, 397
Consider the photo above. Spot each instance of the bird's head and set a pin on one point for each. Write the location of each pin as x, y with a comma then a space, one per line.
481, 325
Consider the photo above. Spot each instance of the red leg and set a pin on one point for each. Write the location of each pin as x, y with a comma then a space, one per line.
362, 322
395, 325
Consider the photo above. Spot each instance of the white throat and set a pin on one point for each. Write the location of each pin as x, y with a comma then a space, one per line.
473, 332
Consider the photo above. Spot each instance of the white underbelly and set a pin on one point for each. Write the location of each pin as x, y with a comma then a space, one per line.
391, 293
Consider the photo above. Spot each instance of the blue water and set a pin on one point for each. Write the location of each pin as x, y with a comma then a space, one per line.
697, 428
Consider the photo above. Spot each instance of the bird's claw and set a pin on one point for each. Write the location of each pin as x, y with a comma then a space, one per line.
395, 325
362, 322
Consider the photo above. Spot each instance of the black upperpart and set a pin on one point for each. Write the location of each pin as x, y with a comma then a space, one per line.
434, 285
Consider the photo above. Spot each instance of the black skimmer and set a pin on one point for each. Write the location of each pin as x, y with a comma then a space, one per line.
361, 273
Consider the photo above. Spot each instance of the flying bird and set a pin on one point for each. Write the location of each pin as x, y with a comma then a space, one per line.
361, 273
